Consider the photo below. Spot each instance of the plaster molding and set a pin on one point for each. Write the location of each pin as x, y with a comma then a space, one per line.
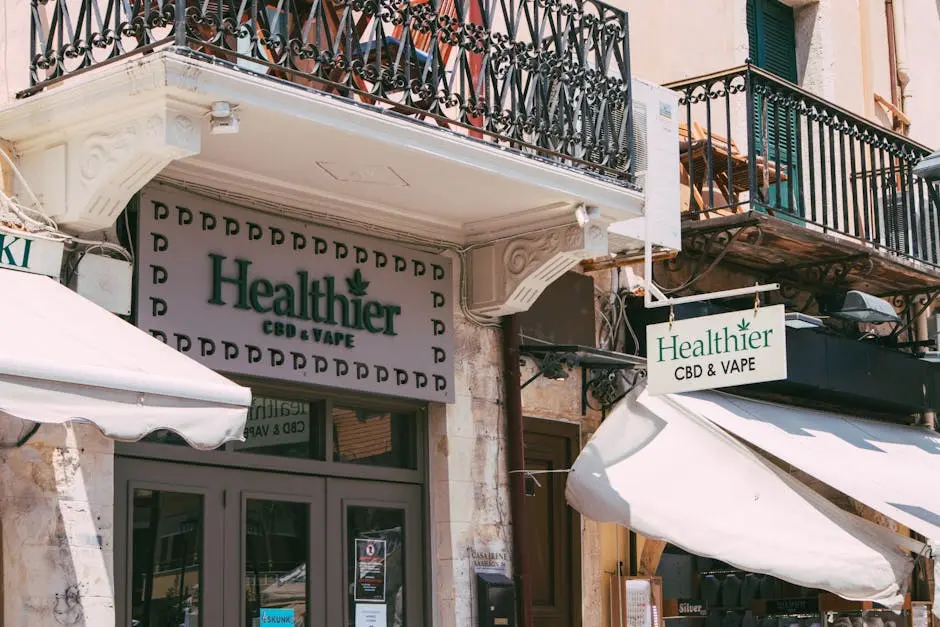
507, 276
83, 128
103, 167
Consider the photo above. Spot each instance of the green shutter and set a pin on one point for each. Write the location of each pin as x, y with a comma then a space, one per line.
771, 31
771, 35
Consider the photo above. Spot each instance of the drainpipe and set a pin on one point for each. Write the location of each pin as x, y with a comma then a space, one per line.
512, 377
929, 418
897, 63
892, 55
900, 52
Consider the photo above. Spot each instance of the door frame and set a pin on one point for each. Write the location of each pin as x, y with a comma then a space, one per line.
571, 432
223, 489
344, 493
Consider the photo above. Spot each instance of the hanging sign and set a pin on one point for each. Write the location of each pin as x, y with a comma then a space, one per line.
370, 570
249, 293
718, 351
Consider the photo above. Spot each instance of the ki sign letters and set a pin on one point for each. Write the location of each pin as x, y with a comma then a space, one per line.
719, 351
31, 253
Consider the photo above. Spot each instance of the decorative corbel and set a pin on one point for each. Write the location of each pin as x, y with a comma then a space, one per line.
507, 276
86, 181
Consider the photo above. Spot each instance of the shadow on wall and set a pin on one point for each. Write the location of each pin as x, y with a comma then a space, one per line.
56, 519
805, 18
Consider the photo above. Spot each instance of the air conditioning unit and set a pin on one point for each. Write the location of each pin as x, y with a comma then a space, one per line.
655, 161
655, 167
896, 216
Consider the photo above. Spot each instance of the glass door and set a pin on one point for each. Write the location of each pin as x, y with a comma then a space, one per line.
200, 546
208, 546
277, 527
169, 546
376, 568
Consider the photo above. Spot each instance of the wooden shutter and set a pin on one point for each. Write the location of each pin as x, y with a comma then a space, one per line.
771, 31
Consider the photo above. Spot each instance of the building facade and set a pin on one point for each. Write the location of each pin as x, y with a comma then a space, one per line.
338, 204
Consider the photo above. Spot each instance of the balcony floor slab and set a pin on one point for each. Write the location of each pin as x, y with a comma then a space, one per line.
779, 249
323, 155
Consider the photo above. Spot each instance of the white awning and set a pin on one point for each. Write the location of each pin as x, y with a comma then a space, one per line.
666, 471
894, 469
63, 358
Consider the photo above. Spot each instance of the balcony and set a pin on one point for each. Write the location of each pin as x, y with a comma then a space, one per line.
457, 120
789, 186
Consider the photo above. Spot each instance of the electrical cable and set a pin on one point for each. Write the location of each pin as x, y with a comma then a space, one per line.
40, 222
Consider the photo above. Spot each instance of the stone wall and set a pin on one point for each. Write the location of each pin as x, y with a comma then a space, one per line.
468, 474
469, 480
57, 535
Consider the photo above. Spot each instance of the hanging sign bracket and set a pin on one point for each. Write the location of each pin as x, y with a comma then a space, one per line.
652, 292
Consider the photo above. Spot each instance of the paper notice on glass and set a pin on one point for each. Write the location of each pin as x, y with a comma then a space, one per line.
639, 609
370, 615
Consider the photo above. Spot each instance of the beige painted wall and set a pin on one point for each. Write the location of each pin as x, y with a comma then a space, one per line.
922, 25
675, 39
842, 50
14, 48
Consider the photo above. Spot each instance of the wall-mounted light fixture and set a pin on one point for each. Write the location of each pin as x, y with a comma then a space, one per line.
861, 307
929, 167
222, 118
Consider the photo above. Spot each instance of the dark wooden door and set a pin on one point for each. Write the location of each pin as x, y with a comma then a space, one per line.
554, 528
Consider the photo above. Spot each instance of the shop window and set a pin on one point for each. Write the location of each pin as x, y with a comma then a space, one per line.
167, 556
285, 428
373, 438
275, 566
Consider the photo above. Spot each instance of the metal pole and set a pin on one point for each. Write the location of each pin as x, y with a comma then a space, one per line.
516, 462
179, 19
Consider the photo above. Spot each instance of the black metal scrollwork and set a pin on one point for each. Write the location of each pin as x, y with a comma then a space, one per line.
544, 76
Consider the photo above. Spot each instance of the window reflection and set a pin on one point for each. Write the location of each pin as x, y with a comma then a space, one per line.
286, 428
276, 548
373, 438
166, 559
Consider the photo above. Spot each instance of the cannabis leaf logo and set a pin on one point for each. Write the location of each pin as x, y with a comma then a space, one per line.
742, 326
357, 285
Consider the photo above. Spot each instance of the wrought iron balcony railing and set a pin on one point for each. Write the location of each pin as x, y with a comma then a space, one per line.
546, 77
803, 159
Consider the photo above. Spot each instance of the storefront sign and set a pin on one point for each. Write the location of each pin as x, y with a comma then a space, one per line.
488, 561
277, 616
710, 352
370, 570
248, 293
31, 253
274, 421
692, 608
